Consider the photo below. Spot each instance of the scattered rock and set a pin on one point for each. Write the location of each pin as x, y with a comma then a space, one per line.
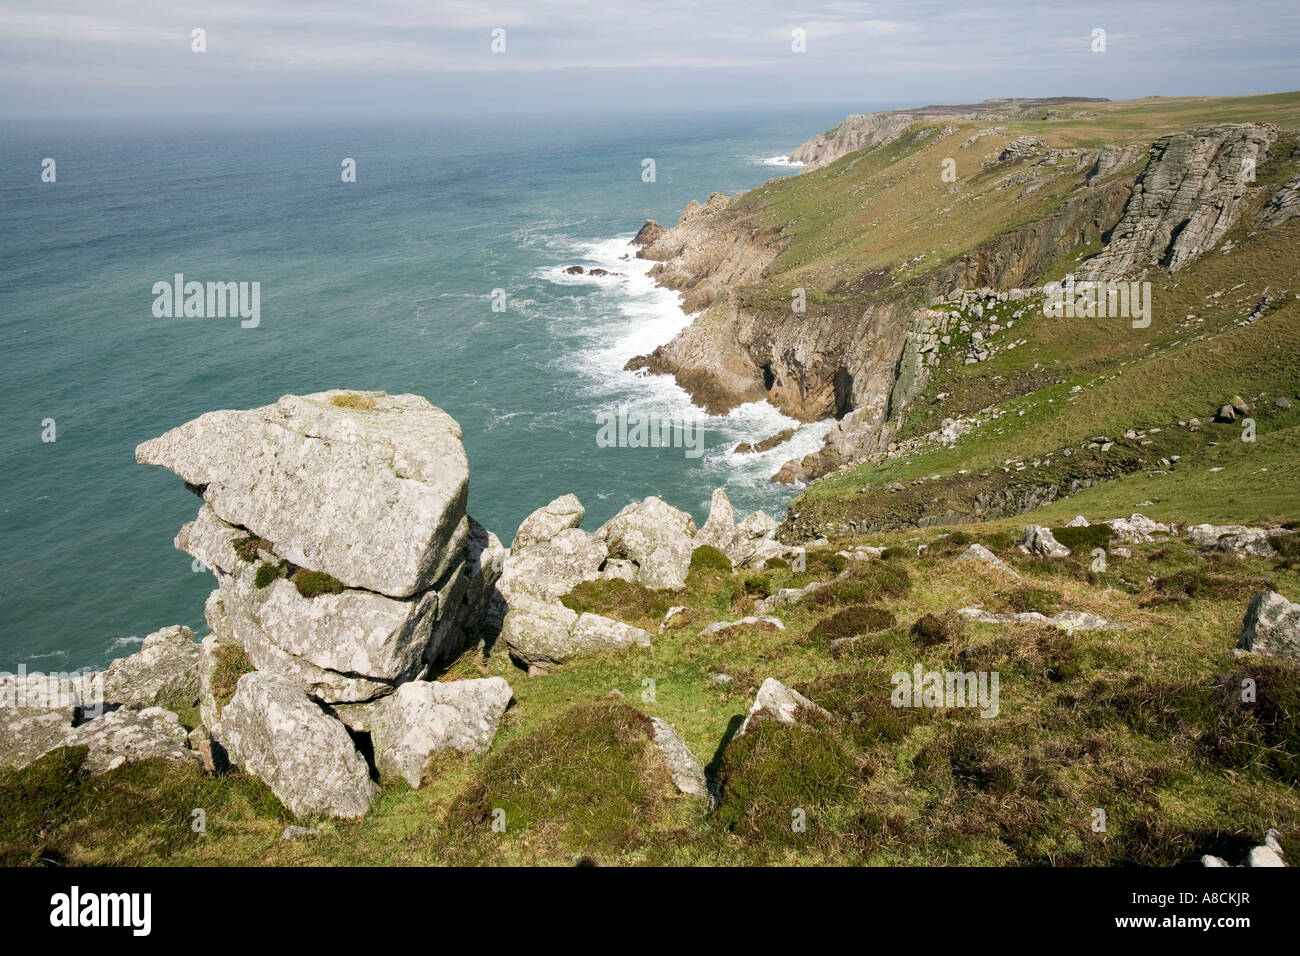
1271, 627
1136, 529
1232, 538
775, 701
684, 766
717, 627
982, 555
1065, 620
292, 832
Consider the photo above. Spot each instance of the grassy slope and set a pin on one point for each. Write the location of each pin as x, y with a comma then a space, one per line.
1124, 721
1128, 721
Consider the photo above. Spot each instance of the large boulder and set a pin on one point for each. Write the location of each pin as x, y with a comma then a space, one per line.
367, 487
1041, 541
657, 537
273, 730
1232, 539
129, 736
165, 671
422, 718
549, 570
543, 633
548, 521
1271, 626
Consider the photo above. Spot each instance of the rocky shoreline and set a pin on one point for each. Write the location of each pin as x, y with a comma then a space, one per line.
853, 357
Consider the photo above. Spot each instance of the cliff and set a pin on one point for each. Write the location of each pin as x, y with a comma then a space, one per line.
945, 208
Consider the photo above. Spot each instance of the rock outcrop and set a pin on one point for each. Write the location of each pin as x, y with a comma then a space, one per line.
1041, 541
346, 569
546, 522
1185, 201
1232, 539
366, 487
165, 671
129, 736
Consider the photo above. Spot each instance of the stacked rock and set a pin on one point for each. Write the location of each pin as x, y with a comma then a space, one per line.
347, 570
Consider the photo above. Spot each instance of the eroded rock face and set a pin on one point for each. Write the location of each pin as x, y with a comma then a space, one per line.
367, 487
1282, 206
272, 729
1186, 200
422, 718
546, 522
1271, 627
164, 671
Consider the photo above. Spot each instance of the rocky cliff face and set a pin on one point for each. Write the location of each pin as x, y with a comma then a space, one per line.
857, 356
842, 359
863, 130
712, 248
1185, 201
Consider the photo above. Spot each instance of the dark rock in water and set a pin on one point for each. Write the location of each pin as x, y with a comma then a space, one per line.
574, 270
767, 444
648, 233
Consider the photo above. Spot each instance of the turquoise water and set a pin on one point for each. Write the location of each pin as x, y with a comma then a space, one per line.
385, 283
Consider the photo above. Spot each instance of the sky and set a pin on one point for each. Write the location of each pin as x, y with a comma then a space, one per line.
110, 58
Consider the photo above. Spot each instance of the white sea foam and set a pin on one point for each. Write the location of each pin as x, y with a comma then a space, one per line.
778, 161
631, 315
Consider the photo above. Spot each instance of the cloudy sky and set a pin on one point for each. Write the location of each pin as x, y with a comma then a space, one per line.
125, 57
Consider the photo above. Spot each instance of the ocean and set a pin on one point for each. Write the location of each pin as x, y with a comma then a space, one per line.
385, 283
